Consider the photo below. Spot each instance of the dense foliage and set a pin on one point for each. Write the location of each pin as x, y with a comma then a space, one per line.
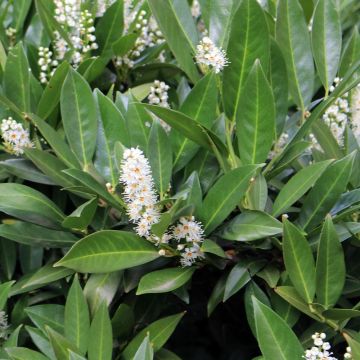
179, 179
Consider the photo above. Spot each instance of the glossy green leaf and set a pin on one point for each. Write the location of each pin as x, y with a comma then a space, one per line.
47, 315
275, 337
100, 339
257, 195
255, 118
351, 52
111, 128
330, 266
77, 318
35, 235
159, 332
108, 250
124, 44
249, 40
326, 191
4, 293
51, 95
41, 277
326, 40
299, 261
24, 169
217, 205
30, 205
279, 85
292, 35
21, 353
110, 28
290, 294
251, 225
54, 139
41, 341
177, 25
221, 14
165, 280
94, 186
60, 344
188, 127
238, 277
82, 216
17, 78
79, 117
8, 257
298, 185
145, 350
160, 157
211, 247
200, 105
101, 288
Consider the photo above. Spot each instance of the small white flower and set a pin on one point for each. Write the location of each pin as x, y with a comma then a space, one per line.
210, 55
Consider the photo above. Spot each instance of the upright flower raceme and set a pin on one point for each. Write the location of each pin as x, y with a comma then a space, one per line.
15, 137
139, 192
4, 326
355, 112
209, 55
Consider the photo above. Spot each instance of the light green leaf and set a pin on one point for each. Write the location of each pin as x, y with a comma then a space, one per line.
160, 157
35, 235
21, 353
79, 117
326, 191
47, 315
158, 331
249, 40
326, 40
165, 280
251, 225
297, 186
275, 337
292, 35
177, 25
330, 266
17, 78
217, 205
255, 118
238, 277
77, 318
200, 105
108, 250
28, 204
82, 216
145, 351
60, 344
110, 28
299, 261
100, 339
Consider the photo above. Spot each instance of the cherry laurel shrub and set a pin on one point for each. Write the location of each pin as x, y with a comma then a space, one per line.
179, 179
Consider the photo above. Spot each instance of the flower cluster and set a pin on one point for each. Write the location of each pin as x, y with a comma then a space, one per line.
189, 233
79, 25
15, 137
159, 96
4, 326
11, 34
149, 36
209, 55
348, 354
47, 65
279, 145
320, 350
139, 192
